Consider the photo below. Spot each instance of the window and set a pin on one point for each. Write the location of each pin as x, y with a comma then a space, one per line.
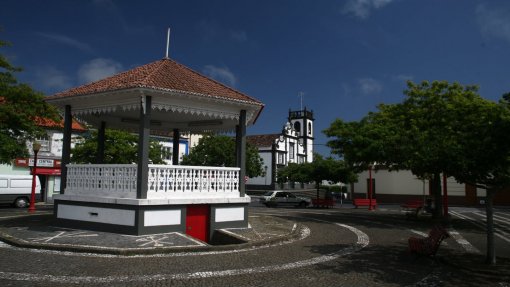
166, 153
297, 127
45, 143
56, 186
309, 128
280, 158
291, 150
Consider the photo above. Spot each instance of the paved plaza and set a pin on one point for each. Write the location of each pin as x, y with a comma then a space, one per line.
341, 246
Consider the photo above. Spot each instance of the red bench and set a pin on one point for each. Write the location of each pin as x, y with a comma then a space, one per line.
364, 202
428, 245
412, 207
321, 202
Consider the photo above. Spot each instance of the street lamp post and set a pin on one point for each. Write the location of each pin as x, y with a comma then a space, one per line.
265, 175
35, 147
370, 187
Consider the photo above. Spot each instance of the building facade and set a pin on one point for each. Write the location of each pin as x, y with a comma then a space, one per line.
50, 155
294, 144
401, 186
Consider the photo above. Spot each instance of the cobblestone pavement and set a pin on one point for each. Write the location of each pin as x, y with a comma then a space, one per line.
37, 231
336, 247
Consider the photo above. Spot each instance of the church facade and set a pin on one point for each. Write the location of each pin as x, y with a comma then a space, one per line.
294, 144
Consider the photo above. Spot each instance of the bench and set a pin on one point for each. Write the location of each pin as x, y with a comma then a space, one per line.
364, 202
412, 207
321, 202
428, 245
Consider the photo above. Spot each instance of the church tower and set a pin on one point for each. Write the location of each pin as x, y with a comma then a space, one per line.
302, 122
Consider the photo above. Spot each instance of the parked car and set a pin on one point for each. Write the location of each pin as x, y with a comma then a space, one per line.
17, 189
284, 198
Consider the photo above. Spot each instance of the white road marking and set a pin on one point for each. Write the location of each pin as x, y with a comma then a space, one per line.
304, 233
198, 242
235, 234
419, 233
63, 234
463, 242
154, 240
482, 226
423, 234
25, 215
361, 242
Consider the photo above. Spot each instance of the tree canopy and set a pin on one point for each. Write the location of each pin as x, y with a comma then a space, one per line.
120, 147
20, 106
440, 127
219, 150
318, 170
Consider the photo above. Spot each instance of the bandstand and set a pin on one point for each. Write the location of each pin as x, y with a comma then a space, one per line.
163, 97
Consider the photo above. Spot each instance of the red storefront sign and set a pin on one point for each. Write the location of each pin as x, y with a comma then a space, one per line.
45, 166
48, 171
41, 162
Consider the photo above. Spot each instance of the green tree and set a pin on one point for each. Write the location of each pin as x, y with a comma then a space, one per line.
120, 147
438, 128
20, 106
485, 161
219, 150
418, 134
317, 171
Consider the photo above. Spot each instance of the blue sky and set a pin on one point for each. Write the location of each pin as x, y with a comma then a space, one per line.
345, 56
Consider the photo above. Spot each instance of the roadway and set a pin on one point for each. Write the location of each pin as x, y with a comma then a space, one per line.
337, 247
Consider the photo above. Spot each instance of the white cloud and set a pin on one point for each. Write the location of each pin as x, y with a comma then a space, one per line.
363, 8
114, 14
370, 86
239, 36
223, 75
402, 78
49, 77
207, 30
346, 89
62, 39
98, 69
494, 22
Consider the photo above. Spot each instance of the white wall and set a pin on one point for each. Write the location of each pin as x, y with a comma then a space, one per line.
401, 182
263, 180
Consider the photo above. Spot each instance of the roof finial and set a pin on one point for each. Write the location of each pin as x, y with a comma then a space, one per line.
301, 95
167, 42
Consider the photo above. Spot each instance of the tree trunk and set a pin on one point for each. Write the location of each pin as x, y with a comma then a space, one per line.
438, 199
318, 186
491, 248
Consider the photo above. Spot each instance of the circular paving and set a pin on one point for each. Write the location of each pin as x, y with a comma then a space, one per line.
85, 268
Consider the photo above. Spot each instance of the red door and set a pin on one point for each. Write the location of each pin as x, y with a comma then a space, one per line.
197, 221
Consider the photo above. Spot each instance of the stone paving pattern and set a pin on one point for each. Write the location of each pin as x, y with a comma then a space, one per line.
38, 231
383, 262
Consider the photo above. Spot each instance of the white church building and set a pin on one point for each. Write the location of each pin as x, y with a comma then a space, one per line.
294, 144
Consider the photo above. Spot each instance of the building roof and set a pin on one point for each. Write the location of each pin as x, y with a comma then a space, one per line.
165, 74
48, 123
262, 140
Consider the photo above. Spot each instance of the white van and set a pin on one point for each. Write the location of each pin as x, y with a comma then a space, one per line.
16, 189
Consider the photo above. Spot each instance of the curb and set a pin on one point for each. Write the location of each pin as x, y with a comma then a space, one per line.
17, 242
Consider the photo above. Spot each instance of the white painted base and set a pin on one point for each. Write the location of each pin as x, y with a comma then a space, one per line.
162, 217
154, 201
96, 214
225, 214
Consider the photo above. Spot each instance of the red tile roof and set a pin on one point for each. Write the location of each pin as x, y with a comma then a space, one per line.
48, 123
165, 74
262, 140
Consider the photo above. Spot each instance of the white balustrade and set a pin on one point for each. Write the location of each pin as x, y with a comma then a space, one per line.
164, 181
